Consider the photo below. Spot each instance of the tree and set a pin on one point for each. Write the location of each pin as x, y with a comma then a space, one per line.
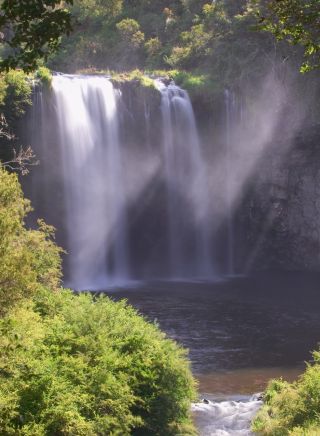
31, 30
30, 260
15, 98
297, 21
81, 365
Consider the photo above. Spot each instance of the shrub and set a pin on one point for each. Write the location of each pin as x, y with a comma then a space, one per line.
70, 365
292, 408
154, 50
75, 365
29, 258
44, 75
18, 90
133, 76
130, 32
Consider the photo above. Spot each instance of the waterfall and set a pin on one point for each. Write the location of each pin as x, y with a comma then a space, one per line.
229, 100
123, 179
187, 186
94, 183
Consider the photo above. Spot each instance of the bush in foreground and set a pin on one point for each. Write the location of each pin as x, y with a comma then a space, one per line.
292, 408
70, 365
75, 365
29, 259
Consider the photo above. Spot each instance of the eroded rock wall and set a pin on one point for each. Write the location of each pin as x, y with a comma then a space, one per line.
280, 214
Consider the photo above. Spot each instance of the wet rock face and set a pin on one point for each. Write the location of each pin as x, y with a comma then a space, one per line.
139, 110
277, 218
280, 215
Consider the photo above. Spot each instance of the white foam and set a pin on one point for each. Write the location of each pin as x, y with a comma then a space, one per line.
224, 418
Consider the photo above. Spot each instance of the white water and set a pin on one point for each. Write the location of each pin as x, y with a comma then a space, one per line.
226, 418
187, 186
230, 109
94, 180
97, 178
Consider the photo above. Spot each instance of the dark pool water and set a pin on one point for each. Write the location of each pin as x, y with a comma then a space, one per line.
240, 332
265, 321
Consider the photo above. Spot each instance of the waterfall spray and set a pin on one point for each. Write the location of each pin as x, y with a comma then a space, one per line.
229, 111
186, 180
94, 183
95, 176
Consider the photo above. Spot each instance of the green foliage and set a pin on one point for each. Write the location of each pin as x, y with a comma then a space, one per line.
142, 78
32, 30
129, 30
154, 52
216, 39
219, 38
132, 76
29, 258
84, 9
16, 96
74, 366
292, 408
297, 21
44, 75
196, 84
128, 43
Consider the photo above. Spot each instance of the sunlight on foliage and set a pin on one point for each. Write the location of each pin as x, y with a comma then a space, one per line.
72, 365
292, 409
29, 258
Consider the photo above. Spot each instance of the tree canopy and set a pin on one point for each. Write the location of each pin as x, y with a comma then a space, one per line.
297, 21
125, 34
223, 39
31, 30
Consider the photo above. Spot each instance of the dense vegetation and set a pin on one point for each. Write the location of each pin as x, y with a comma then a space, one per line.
208, 45
73, 364
297, 21
15, 98
219, 38
29, 258
77, 365
30, 31
124, 33
292, 408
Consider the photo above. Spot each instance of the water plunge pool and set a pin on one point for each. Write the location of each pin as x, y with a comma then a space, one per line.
240, 332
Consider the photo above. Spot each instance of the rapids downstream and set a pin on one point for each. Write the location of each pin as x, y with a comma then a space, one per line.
230, 417
240, 334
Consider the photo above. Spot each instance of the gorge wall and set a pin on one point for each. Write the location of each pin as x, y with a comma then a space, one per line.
231, 191
280, 214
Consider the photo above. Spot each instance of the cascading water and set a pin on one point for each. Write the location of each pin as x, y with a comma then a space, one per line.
187, 188
127, 193
227, 418
229, 115
94, 180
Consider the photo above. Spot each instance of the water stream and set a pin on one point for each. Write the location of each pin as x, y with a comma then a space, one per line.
96, 218
240, 334
106, 173
185, 173
229, 101
221, 417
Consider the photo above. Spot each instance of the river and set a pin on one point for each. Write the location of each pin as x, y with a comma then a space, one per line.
240, 332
